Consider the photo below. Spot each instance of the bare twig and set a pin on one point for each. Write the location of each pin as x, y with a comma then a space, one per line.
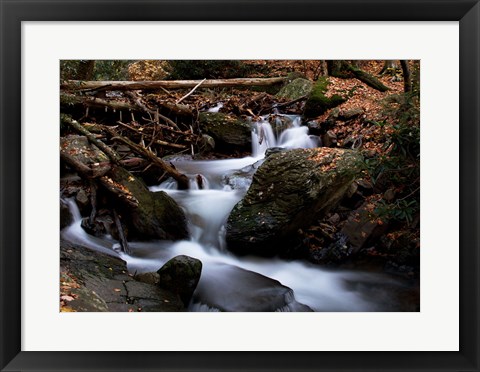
193, 90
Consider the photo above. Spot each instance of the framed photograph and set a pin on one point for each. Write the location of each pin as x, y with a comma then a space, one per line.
294, 240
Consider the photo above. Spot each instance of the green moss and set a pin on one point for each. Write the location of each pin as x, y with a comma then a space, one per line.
296, 89
318, 103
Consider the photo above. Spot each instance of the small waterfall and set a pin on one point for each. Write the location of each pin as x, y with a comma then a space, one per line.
297, 137
76, 234
294, 136
262, 138
73, 208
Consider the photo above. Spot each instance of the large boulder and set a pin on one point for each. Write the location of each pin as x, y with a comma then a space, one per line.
295, 89
180, 275
228, 132
92, 281
230, 288
290, 190
148, 215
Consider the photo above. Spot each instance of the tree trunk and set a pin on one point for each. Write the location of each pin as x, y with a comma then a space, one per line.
335, 68
85, 70
365, 77
343, 69
407, 80
389, 64
145, 85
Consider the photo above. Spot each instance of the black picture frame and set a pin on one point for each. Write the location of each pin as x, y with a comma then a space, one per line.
13, 12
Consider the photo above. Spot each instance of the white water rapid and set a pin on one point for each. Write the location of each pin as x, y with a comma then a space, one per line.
231, 283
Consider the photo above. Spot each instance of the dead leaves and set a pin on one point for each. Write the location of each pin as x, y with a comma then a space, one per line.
68, 283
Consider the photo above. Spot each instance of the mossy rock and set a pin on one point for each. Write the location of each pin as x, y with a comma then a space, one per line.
290, 190
155, 215
147, 215
97, 282
317, 102
229, 132
296, 89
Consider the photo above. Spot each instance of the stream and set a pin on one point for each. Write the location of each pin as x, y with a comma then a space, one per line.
248, 283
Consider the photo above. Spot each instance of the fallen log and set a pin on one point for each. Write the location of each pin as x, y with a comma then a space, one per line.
80, 85
183, 183
80, 129
176, 108
82, 169
366, 78
69, 99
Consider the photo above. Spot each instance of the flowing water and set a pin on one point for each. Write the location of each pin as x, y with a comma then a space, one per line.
231, 283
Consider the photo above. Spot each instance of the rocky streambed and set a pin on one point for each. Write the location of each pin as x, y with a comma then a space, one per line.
235, 240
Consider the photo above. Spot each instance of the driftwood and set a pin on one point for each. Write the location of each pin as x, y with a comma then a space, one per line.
172, 84
183, 183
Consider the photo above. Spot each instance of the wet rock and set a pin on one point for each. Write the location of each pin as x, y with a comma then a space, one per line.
230, 133
290, 190
66, 217
150, 278
97, 282
83, 202
102, 225
297, 88
206, 144
280, 123
255, 293
274, 150
314, 127
180, 275
147, 215
242, 178
317, 102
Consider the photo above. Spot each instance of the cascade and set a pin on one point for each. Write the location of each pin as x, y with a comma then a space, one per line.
244, 281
